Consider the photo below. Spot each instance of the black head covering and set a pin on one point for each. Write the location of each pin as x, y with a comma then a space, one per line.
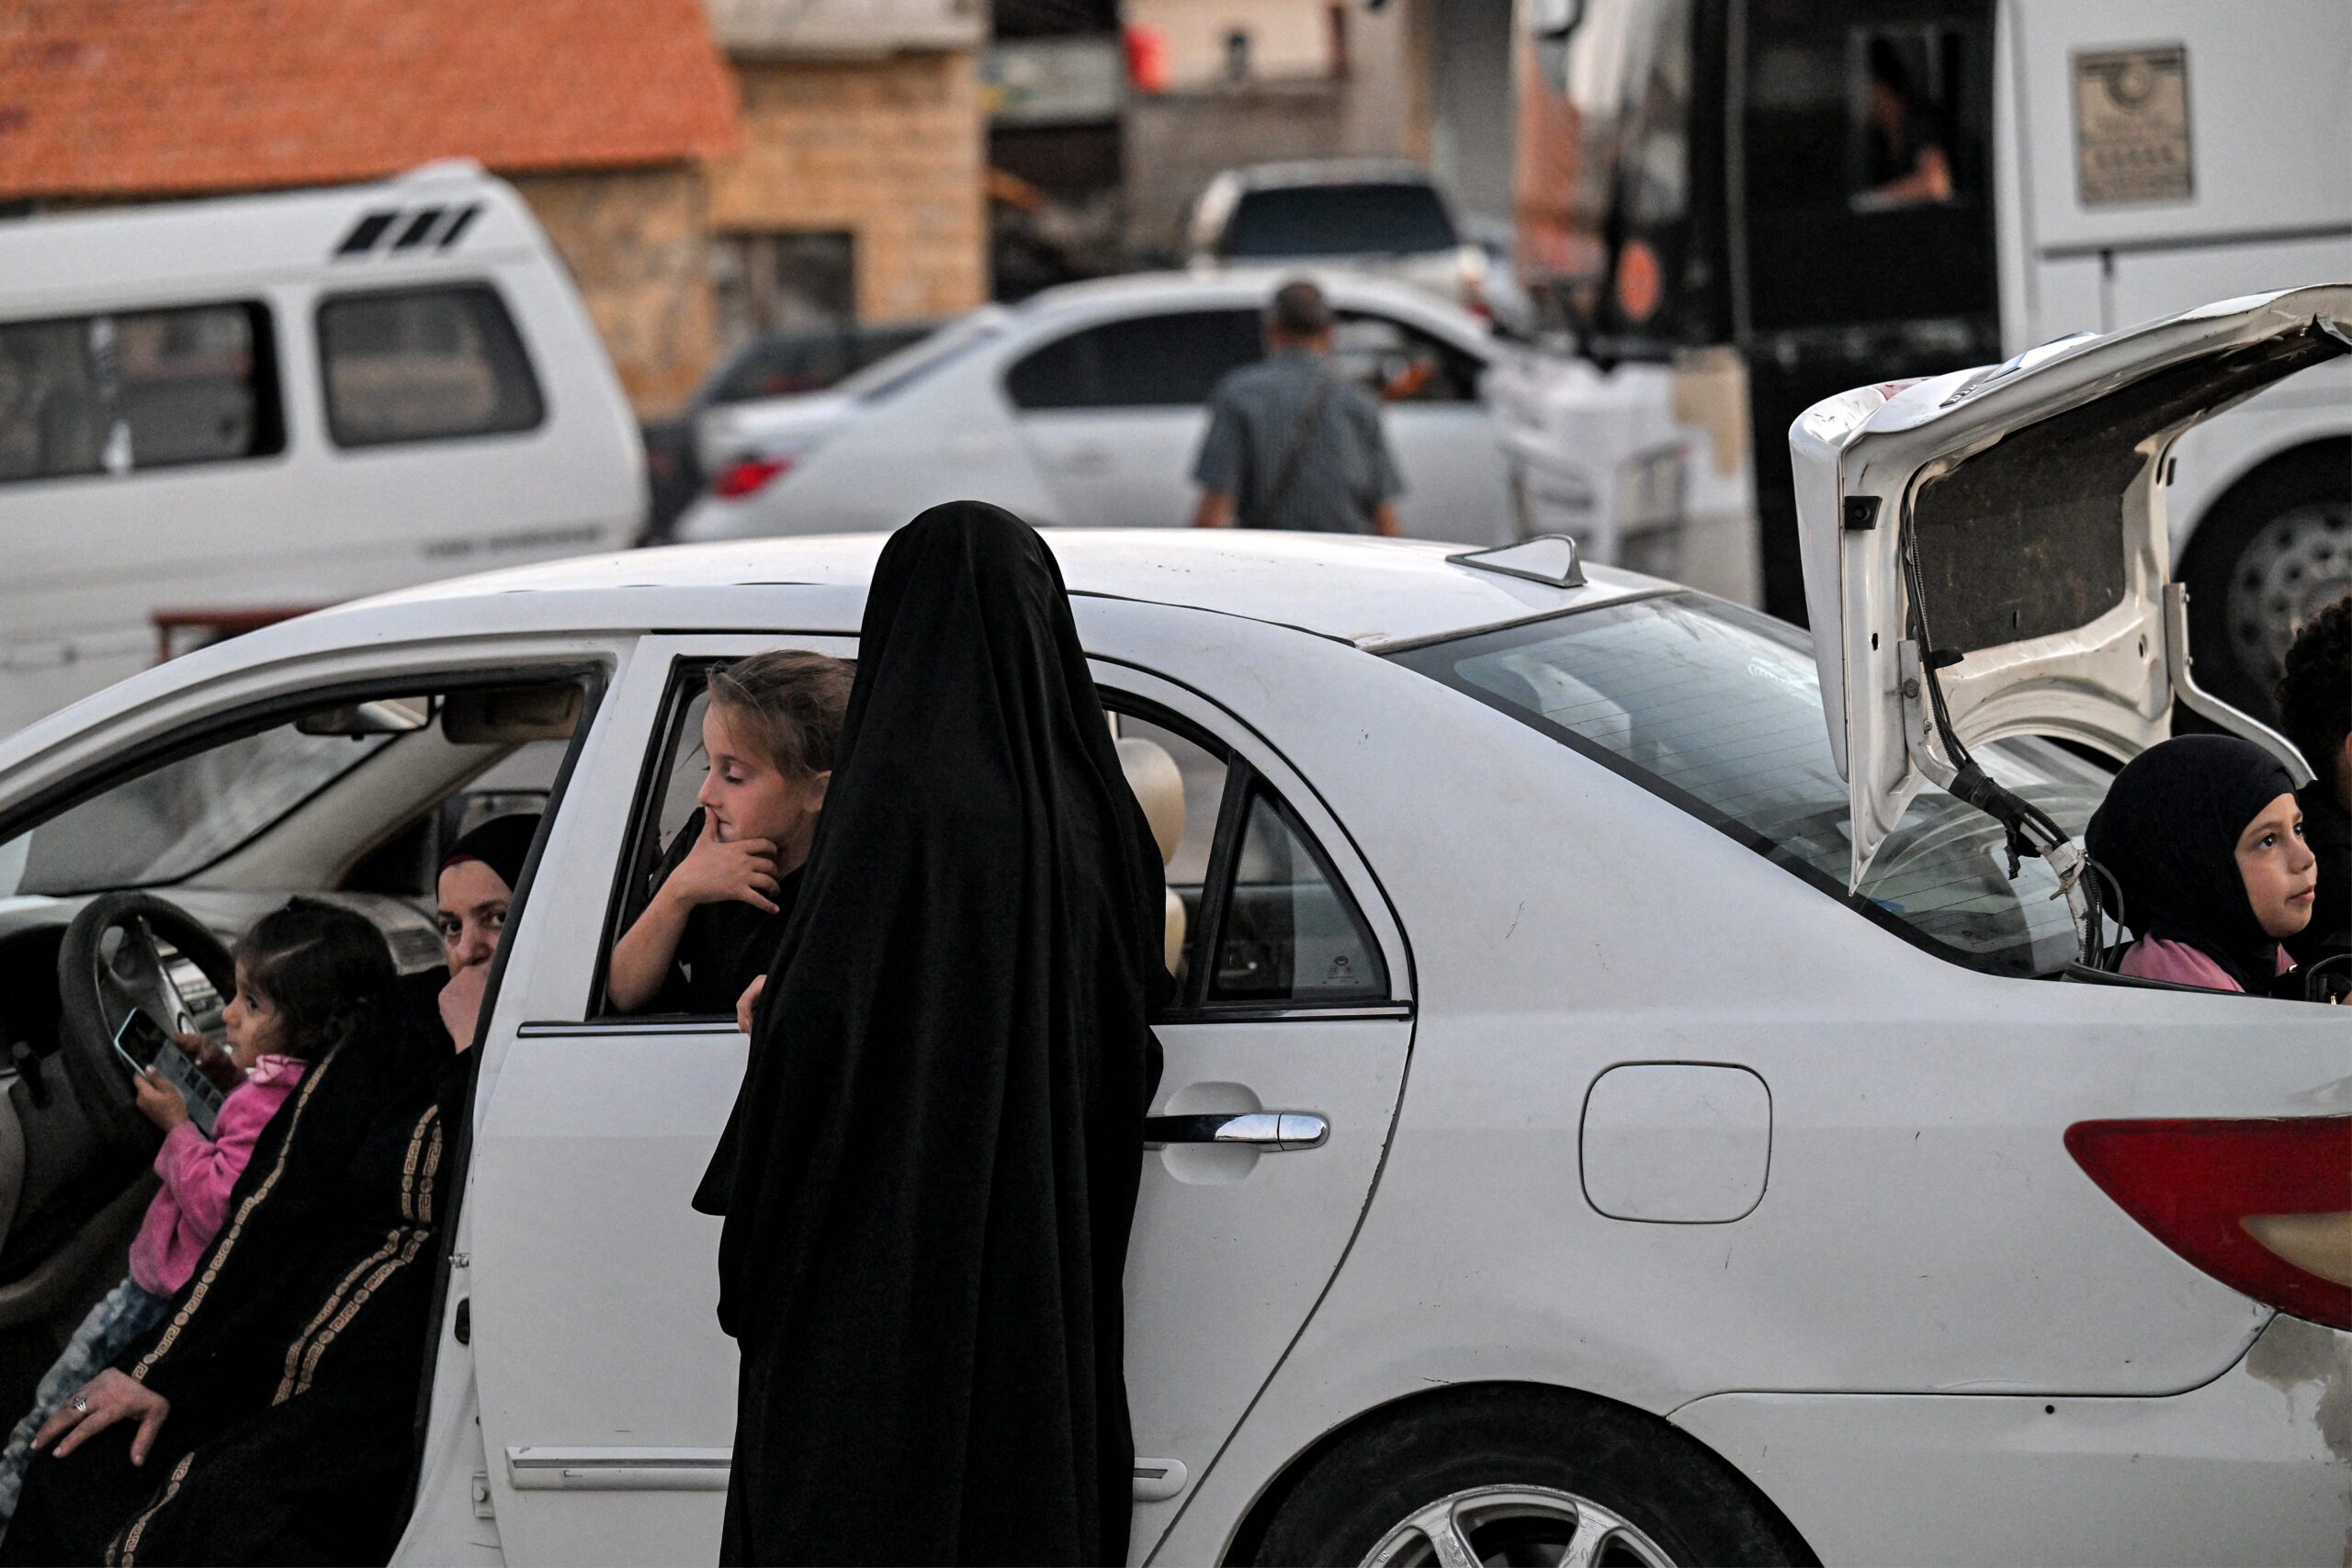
930, 1171
502, 843
2168, 832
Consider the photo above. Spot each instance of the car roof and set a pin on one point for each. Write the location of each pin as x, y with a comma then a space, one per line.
1296, 172
1375, 594
1251, 286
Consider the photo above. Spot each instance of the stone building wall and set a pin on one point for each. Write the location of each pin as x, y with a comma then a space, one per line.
637, 244
891, 150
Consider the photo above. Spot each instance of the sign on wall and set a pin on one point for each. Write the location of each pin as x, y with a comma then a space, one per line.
2132, 126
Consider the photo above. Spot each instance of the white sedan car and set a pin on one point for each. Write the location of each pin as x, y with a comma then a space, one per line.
1594, 1131
1085, 406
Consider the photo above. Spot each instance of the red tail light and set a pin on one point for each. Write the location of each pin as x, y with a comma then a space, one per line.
2264, 1206
746, 475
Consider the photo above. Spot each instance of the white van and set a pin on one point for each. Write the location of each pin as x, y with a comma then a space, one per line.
215, 413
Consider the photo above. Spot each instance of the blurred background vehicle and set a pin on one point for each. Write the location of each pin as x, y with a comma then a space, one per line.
1083, 405
1729, 212
1382, 217
778, 365
214, 414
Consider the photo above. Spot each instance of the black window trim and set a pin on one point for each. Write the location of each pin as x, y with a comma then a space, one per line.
1427, 658
474, 285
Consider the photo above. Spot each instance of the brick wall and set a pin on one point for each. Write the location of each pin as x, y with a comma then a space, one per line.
891, 150
635, 243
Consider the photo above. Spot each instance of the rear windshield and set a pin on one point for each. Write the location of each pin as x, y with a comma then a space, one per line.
1338, 221
1718, 709
894, 373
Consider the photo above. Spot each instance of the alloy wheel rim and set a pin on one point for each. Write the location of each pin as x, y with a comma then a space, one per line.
2298, 563
1516, 1526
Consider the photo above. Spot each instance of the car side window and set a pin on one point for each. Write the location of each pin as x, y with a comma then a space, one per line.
1401, 364
1264, 919
438, 363
1173, 359
665, 799
137, 389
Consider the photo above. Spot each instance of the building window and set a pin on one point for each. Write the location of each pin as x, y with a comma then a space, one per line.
782, 282
137, 389
423, 364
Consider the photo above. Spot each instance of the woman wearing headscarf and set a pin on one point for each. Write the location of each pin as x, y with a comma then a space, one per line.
2205, 841
270, 1417
930, 1173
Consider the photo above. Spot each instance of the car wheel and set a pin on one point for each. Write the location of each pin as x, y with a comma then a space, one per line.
2273, 552
1522, 1477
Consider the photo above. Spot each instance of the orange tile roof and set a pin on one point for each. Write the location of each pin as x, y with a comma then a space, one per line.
154, 98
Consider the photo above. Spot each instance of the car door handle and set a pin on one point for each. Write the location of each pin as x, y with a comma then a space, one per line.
1269, 1132
1082, 461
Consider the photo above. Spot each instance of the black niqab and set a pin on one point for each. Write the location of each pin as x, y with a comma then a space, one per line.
930, 1171
2168, 833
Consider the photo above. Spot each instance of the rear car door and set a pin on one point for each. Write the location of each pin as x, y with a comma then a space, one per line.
1285, 1057
1113, 414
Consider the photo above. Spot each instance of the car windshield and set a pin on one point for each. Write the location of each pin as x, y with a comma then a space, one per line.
1718, 709
894, 373
1338, 221
171, 823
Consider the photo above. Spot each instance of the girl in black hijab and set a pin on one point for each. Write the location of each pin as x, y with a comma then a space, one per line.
930, 1171
2205, 842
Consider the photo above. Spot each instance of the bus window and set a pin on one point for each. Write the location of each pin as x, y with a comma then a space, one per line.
1901, 118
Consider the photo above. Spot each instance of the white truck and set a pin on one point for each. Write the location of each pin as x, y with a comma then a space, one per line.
1732, 208
217, 413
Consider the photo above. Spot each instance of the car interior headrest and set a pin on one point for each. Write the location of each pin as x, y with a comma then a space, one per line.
1158, 784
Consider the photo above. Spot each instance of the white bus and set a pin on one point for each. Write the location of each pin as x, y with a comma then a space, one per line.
1732, 208
216, 413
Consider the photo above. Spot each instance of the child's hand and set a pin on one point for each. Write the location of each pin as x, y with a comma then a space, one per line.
716, 872
159, 1101
210, 1060
748, 1003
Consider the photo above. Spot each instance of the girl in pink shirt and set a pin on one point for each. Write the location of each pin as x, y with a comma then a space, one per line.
281, 1017
2205, 842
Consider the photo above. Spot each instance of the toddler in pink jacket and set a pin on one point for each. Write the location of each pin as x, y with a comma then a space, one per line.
268, 1051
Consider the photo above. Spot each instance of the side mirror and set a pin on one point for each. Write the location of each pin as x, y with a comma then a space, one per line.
1550, 21
383, 715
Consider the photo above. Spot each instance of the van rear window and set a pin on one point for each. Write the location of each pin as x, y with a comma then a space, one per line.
425, 365
128, 390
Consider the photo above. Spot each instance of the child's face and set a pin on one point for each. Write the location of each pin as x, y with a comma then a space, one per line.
2281, 874
749, 797
253, 1022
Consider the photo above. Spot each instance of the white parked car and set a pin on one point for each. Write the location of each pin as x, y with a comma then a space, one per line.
1083, 406
221, 412
1555, 1160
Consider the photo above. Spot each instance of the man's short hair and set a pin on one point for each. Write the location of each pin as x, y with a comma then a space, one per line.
1299, 309
2315, 691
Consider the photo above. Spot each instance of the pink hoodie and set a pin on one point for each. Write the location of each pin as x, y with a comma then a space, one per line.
2156, 959
199, 1173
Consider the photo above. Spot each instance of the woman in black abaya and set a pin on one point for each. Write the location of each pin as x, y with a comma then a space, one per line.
930, 1171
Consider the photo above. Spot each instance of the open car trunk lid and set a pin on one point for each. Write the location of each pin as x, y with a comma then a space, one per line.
2000, 534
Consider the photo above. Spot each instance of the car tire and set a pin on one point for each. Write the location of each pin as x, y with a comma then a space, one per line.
2275, 548
1521, 1471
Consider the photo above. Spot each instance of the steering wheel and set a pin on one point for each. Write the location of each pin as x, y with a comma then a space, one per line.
113, 959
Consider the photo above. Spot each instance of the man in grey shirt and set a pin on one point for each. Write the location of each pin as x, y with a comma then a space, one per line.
1291, 444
